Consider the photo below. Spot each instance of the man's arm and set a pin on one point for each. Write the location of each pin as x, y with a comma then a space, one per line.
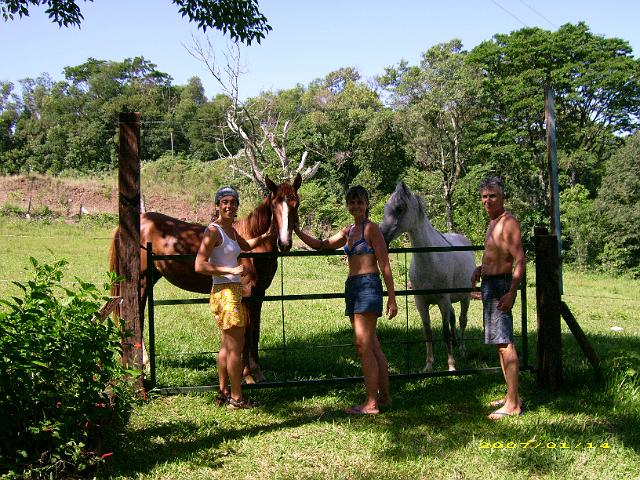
513, 244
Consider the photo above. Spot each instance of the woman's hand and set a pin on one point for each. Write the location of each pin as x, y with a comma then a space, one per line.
239, 270
392, 308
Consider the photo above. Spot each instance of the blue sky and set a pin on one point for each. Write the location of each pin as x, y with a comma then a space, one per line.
309, 38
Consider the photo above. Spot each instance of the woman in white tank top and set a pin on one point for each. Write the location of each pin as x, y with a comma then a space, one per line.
218, 257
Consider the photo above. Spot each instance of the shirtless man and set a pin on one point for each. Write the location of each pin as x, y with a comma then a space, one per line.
502, 269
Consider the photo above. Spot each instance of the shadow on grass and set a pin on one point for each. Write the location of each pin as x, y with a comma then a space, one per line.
322, 355
432, 417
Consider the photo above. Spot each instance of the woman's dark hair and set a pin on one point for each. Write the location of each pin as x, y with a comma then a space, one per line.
223, 192
358, 191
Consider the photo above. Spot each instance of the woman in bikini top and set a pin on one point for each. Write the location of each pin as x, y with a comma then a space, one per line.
360, 247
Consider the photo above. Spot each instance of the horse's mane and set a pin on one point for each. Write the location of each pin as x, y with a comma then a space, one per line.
420, 201
258, 221
402, 191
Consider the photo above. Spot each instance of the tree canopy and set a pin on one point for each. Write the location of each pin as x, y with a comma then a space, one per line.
241, 19
440, 126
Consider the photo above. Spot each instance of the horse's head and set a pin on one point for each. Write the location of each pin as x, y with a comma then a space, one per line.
284, 209
401, 212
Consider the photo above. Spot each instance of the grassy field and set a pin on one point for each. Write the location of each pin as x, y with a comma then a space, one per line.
437, 426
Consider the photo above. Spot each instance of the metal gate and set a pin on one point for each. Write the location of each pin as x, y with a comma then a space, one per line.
282, 297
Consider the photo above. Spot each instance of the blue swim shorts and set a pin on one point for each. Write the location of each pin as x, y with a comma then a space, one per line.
363, 293
498, 325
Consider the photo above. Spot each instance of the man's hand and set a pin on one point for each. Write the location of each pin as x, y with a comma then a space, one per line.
506, 301
475, 278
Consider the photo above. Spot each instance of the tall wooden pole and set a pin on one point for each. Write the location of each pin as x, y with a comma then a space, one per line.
129, 241
552, 167
549, 346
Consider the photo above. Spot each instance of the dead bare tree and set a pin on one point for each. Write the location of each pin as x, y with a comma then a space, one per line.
258, 130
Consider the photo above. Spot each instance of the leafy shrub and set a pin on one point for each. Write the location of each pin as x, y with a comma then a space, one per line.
43, 213
99, 220
321, 208
624, 376
582, 227
61, 383
184, 177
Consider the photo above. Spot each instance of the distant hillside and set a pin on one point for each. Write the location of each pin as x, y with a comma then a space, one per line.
66, 196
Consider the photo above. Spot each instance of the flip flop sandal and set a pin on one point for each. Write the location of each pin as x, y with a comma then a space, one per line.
503, 415
356, 410
240, 404
222, 398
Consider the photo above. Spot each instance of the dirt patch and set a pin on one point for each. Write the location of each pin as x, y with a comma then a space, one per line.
71, 197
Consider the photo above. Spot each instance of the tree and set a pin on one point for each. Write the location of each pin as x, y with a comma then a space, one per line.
437, 105
8, 116
339, 109
240, 18
619, 201
258, 125
71, 124
596, 84
583, 229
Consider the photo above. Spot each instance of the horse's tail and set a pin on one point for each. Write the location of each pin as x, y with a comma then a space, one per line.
114, 263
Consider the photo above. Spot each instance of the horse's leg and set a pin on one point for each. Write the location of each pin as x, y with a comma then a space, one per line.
448, 328
252, 372
423, 310
464, 309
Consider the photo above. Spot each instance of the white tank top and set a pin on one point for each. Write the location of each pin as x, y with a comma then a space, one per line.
226, 255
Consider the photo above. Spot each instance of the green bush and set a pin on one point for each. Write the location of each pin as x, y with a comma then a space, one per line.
61, 383
43, 213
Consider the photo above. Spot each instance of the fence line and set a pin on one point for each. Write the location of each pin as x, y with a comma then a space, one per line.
40, 237
319, 296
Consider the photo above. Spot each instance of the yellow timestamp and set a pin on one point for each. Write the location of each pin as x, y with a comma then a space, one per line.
499, 445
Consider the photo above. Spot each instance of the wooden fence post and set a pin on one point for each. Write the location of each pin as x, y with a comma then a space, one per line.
549, 346
129, 231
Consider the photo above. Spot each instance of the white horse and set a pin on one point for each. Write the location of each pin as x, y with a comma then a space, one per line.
404, 212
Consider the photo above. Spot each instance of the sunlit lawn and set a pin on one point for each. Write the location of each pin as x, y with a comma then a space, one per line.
437, 426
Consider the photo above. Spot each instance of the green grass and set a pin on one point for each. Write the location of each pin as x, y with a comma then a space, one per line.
437, 427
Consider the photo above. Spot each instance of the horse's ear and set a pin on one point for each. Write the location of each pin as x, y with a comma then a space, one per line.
270, 185
297, 181
421, 208
404, 188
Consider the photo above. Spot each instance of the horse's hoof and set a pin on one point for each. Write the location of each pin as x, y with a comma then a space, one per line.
452, 368
248, 379
428, 367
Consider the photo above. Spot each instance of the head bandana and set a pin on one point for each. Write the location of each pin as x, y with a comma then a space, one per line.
227, 191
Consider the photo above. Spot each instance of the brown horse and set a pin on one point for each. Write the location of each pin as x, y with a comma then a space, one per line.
170, 236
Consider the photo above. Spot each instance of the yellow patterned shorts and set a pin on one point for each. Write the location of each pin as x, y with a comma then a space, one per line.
226, 306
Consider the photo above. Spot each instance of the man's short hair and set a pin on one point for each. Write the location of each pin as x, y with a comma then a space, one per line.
492, 182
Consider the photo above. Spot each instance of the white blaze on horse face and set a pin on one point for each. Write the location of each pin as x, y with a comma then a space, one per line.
284, 226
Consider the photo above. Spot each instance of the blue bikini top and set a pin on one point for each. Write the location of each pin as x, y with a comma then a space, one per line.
361, 247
